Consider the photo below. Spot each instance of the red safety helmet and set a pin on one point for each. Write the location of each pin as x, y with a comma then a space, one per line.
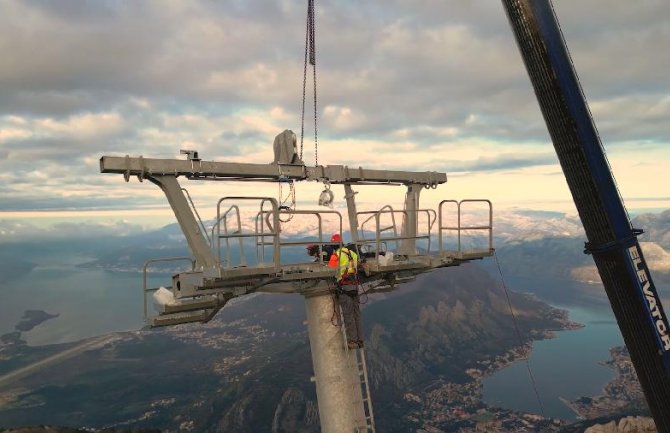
336, 238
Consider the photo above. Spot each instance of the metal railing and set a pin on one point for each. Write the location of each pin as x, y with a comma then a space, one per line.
380, 240
320, 242
459, 229
239, 234
235, 210
146, 290
382, 224
430, 223
266, 232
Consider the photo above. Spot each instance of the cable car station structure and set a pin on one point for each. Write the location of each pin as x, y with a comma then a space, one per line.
200, 292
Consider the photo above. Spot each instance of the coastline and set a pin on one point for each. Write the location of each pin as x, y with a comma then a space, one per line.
461, 405
621, 395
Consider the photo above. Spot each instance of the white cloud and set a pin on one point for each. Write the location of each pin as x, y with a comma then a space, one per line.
86, 125
12, 230
7, 134
435, 85
342, 118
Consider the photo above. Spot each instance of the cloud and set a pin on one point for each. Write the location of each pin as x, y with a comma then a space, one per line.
20, 231
342, 118
434, 85
502, 162
41, 203
646, 118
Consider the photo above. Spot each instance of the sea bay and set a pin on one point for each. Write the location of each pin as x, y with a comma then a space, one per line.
568, 366
89, 302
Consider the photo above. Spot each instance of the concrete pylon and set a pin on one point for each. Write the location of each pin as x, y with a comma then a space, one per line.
338, 388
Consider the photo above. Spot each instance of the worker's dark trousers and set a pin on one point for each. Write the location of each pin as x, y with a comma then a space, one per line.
351, 310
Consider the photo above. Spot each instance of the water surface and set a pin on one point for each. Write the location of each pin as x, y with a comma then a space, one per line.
567, 366
89, 302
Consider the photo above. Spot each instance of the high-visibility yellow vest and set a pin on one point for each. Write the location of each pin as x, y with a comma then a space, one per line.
345, 260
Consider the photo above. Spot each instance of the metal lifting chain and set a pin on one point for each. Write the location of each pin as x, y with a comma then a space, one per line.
310, 55
286, 203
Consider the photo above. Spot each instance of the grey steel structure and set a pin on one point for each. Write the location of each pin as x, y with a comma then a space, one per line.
213, 279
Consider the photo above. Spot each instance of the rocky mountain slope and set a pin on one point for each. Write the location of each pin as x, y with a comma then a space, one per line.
629, 424
249, 370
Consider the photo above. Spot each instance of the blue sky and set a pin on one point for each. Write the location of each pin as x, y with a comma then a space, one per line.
432, 85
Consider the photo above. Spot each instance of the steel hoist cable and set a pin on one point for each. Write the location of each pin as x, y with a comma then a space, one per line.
310, 57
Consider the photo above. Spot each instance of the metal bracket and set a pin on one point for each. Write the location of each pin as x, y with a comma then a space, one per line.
594, 249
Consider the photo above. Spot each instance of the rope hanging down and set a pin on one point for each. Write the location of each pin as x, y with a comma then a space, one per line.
310, 56
519, 336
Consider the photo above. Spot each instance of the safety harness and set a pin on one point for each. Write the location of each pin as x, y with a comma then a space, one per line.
349, 275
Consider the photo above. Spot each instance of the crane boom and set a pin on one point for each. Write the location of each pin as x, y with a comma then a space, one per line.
611, 239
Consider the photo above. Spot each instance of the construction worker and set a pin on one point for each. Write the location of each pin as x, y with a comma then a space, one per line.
346, 295
336, 242
324, 253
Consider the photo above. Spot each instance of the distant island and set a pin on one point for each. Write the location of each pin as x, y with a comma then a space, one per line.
33, 318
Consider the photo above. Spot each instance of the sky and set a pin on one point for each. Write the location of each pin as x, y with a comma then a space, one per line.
430, 85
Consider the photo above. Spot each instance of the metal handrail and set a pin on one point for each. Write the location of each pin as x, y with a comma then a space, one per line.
217, 225
376, 214
239, 234
145, 290
318, 214
260, 246
459, 229
489, 227
243, 258
388, 209
441, 227
430, 224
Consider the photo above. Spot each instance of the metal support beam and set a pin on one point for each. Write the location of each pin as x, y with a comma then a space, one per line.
350, 196
338, 388
410, 219
204, 258
211, 170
